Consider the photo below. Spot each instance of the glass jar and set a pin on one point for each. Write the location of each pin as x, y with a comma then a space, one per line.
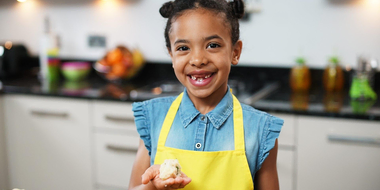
333, 76
300, 79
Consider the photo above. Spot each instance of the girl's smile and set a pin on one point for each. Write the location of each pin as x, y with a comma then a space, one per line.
200, 78
202, 54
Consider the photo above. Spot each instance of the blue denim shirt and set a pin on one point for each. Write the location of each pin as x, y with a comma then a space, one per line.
214, 131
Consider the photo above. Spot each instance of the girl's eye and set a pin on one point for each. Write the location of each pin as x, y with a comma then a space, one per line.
182, 48
213, 45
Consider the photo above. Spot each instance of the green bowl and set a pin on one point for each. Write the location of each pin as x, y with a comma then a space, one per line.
75, 74
75, 71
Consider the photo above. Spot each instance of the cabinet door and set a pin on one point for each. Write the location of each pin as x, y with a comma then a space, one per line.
338, 154
3, 170
116, 143
285, 169
114, 158
48, 143
286, 152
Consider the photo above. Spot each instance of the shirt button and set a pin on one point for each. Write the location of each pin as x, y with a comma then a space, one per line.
203, 117
198, 145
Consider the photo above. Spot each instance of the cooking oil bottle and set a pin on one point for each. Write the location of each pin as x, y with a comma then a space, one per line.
300, 79
333, 76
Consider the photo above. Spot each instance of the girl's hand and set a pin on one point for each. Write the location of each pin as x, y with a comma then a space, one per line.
153, 174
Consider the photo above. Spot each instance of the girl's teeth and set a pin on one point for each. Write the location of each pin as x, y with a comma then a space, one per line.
200, 79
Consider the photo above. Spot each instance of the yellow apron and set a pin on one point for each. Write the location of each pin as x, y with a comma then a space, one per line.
209, 170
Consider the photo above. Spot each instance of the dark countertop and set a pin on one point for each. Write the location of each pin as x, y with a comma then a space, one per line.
318, 103
94, 87
248, 81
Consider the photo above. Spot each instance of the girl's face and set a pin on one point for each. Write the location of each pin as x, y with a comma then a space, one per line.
202, 52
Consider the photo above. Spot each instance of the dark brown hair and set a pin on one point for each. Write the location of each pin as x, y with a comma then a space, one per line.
233, 11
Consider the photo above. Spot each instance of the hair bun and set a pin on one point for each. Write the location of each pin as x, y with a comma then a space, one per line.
167, 9
237, 8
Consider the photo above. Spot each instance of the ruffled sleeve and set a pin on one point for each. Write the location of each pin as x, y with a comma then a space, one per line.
142, 123
271, 132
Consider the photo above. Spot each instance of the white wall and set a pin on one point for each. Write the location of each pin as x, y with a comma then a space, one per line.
274, 37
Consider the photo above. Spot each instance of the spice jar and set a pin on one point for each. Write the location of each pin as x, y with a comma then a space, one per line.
300, 79
333, 76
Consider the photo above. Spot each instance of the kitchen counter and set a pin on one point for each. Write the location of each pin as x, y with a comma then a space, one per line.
245, 81
94, 87
318, 103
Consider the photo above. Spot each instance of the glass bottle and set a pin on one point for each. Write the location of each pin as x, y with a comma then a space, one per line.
300, 79
333, 76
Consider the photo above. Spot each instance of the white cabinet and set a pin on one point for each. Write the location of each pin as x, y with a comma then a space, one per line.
3, 169
113, 116
60, 144
286, 152
285, 169
48, 143
114, 157
115, 143
338, 154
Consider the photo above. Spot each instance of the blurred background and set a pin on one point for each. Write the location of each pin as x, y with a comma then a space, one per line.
273, 35
70, 70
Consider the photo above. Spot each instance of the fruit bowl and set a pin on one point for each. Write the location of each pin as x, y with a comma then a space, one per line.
75, 71
120, 64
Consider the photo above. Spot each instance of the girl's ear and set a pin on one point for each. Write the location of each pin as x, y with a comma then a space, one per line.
236, 52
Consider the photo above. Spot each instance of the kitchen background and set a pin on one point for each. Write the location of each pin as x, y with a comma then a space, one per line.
80, 135
274, 36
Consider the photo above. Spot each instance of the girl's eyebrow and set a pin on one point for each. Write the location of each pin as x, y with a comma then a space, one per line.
181, 41
206, 39
212, 37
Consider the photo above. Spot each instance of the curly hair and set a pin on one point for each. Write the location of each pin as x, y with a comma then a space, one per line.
233, 11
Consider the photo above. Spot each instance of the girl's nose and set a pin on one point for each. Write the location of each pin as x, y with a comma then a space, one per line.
198, 60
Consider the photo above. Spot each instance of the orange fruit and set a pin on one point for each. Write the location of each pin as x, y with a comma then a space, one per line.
119, 69
114, 56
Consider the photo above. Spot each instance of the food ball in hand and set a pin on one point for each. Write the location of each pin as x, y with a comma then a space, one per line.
170, 169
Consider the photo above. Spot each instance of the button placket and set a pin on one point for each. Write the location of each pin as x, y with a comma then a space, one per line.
201, 133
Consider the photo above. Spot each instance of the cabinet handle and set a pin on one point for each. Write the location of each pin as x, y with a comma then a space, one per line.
119, 118
119, 148
49, 113
361, 140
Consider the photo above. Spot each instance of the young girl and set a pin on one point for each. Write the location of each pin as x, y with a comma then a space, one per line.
220, 143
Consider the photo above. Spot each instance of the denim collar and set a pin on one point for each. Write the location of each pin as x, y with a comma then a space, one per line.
217, 116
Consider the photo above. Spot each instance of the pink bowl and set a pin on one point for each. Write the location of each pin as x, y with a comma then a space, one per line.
76, 65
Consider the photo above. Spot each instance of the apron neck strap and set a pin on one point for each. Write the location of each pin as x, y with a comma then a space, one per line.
170, 115
237, 116
238, 125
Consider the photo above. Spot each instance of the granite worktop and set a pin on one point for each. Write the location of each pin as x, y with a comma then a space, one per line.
251, 80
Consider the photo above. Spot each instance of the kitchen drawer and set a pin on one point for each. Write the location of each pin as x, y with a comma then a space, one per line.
340, 153
114, 158
285, 169
287, 134
114, 115
48, 143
